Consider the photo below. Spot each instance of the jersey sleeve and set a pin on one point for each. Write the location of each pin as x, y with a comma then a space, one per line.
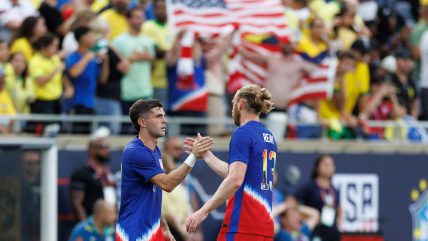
240, 146
144, 165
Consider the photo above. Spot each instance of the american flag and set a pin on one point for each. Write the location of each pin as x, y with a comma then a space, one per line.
254, 17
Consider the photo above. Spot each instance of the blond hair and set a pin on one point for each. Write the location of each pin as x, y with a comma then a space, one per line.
257, 99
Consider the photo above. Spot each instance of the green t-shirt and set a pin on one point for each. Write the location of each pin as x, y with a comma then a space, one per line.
137, 82
415, 40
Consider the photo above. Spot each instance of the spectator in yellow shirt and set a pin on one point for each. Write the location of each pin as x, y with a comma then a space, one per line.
6, 106
333, 110
160, 33
17, 83
116, 18
31, 30
46, 73
348, 26
313, 46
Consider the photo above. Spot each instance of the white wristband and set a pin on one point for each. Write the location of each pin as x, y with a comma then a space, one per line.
190, 160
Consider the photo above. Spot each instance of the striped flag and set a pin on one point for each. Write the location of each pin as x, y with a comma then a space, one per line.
265, 18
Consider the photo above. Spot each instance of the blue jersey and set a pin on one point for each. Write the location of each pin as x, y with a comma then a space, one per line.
141, 200
249, 211
87, 231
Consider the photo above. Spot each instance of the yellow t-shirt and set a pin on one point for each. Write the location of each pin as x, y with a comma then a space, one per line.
162, 36
311, 51
97, 5
21, 93
41, 66
117, 22
357, 83
6, 104
22, 45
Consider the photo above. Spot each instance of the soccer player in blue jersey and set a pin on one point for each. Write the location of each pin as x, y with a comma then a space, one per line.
143, 178
248, 175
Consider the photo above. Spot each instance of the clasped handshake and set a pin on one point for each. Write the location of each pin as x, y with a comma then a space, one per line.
199, 146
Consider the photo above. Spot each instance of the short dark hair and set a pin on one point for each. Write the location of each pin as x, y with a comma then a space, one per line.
45, 41
140, 108
79, 32
132, 10
345, 55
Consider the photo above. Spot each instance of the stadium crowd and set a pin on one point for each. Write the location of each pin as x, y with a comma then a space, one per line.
96, 57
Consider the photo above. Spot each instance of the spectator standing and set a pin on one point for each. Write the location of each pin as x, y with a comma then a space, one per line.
99, 226
31, 30
46, 72
81, 19
424, 76
116, 18
313, 47
357, 82
85, 68
6, 106
30, 196
284, 69
17, 83
320, 194
140, 51
107, 101
348, 26
335, 110
160, 33
13, 12
53, 19
416, 35
405, 84
93, 181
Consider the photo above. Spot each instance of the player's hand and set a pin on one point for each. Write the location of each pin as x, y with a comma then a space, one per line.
188, 144
195, 220
202, 145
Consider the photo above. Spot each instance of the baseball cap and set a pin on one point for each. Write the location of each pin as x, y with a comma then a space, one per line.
100, 133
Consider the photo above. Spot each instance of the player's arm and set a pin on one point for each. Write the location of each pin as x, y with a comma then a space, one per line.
218, 166
227, 188
168, 182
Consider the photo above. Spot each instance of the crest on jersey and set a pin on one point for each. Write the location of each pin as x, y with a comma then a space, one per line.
419, 211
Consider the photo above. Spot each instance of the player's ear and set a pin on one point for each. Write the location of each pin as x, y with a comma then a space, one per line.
241, 104
142, 122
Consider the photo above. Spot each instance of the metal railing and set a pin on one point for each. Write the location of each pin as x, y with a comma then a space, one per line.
174, 123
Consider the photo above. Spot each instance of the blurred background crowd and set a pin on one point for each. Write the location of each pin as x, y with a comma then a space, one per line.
96, 57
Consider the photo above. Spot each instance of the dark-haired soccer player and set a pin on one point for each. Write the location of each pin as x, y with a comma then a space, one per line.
143, 178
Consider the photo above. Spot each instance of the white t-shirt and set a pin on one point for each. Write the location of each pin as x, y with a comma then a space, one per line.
69, 44
9, 12
424, 60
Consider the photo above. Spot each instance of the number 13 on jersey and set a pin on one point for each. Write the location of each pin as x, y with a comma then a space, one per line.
268, 156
